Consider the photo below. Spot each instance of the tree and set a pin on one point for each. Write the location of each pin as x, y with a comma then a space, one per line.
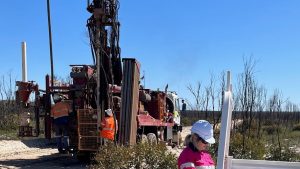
246, 97
195, 91
260, 107
275, 104
8, 107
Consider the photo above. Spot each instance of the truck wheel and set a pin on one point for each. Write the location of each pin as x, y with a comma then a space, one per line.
177, 138
84, 157
152, 138
143, 138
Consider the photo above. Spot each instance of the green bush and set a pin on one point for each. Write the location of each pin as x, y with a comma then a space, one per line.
296, 127
9, 126
294, 138
253, 148
282, 154
9, 122
270, 130
143, 156
187, 121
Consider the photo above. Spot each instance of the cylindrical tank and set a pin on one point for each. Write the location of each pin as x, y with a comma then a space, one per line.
144, 97
24, 91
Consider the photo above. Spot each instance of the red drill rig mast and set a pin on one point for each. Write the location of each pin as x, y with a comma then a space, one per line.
142, 113
103, 27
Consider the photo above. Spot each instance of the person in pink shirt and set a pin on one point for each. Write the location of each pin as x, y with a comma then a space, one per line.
195, 155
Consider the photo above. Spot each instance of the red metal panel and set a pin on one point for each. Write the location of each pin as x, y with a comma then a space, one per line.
87, 129
147, 120
48, 123
25, 131
130, 99
156, 107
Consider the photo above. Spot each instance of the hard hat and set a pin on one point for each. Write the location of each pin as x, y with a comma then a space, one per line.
56, 98
108, 112
204, 130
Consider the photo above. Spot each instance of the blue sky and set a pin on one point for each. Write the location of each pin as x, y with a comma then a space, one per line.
176, 42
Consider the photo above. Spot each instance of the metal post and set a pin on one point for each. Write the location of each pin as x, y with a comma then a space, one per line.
224, 161
100, 114
144, 79
37, 110
48, 111
228, 81
24, 62
50, 42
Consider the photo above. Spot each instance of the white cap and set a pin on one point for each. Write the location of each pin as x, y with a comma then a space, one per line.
108, 112
204, 130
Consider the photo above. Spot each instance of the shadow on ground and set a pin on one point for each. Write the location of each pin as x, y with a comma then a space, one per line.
39, 142
49, 161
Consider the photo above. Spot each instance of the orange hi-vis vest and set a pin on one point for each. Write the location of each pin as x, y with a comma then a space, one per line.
108, 128
60, 109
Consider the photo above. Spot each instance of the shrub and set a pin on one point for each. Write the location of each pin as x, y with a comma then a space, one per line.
187, 121
9, 122
9, 126
282, 154
296, 127
9, 119
253, 148
142, 156
270, 130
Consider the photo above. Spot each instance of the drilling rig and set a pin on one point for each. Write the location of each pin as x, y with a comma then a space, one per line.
108, 83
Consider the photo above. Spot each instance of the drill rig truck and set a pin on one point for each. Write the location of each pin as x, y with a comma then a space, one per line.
109, 83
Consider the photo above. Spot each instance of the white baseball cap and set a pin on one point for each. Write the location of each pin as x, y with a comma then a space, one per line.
108, 112
204, 130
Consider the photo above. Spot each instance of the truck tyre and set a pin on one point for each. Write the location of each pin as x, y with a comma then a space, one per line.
152, 138
84, 157
143, 138
179, 139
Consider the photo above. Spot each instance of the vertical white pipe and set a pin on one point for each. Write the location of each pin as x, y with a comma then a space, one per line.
24, 62
228, 81
224, 161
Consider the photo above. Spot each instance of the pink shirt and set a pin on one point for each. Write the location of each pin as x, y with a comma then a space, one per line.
190, 159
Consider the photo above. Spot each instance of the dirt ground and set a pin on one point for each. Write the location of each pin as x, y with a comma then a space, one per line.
42, 153
177, 150
34, 153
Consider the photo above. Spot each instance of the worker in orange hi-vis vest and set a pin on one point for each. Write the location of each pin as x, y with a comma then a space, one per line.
60, 114
108, 127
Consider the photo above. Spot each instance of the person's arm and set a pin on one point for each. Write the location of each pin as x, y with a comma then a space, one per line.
186, 160
102, 124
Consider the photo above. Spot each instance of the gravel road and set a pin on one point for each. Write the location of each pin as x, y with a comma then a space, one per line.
42, 153
36, 153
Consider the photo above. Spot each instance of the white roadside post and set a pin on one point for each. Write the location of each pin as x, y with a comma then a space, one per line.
223, 160
24, 62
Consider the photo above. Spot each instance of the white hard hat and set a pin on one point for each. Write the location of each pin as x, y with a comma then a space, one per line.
108, 112
204, 130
